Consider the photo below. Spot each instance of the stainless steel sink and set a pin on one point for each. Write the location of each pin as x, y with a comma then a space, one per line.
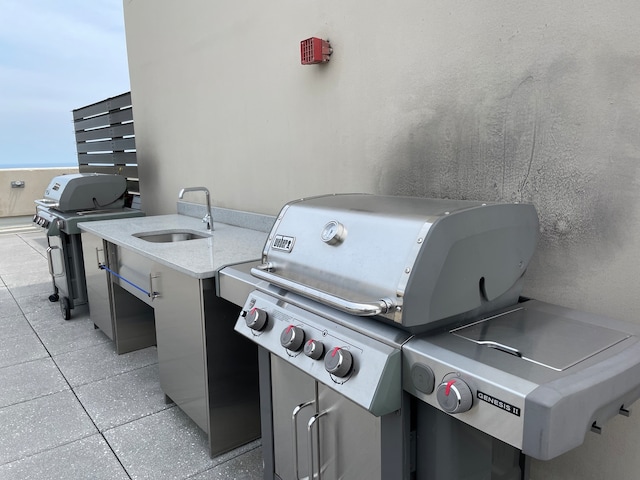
171, 236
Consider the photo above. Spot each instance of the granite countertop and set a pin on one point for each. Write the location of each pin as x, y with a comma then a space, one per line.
199, 258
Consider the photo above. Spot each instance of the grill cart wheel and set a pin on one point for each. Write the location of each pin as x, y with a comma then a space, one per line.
65, 308
54, 297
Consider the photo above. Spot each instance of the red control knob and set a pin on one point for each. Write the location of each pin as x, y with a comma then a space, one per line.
292, 338
256, 319
454, 395
314, 349
338, 362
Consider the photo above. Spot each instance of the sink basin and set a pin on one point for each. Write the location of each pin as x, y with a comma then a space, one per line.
171, 236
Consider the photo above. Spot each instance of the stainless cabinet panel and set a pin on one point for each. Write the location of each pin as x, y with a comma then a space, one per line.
134, 326
133, 315
290, 387
350, 443
206, 368
180, 338
98, 288
350, 439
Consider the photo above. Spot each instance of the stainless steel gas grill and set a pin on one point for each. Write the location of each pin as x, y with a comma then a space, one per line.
394, 342
69, 200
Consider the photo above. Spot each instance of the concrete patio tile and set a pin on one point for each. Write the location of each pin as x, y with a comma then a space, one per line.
166, 445
30, 380
89, 458
20, 349
13, 326
39, 311
28, 284
37, 241
14, 250
40, 424
245, 465
26, 262
70, 335
102, 361
24, 275
8, 306
7, 241
123, 398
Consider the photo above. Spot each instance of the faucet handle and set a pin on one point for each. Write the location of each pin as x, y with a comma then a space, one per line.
207, 219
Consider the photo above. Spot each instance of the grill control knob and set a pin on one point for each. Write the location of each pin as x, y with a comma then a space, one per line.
314, 349
454, 395
338, 362
256, 319
292, 338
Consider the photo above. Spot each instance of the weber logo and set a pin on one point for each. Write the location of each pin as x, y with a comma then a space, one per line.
284, 243
507, 407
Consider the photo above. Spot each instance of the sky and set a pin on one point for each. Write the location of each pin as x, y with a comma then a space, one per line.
55, 56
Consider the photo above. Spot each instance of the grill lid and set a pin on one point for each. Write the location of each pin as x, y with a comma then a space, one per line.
413, 261
84, 191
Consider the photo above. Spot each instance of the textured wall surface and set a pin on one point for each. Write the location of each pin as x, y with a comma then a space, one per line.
527, 101
19, 201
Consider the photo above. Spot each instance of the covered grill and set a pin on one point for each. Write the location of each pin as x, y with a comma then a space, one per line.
402, 316
416, 262
69, 200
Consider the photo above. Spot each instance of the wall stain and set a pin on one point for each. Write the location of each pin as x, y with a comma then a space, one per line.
564, 138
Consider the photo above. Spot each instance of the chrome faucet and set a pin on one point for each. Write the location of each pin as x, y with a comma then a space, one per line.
207, 218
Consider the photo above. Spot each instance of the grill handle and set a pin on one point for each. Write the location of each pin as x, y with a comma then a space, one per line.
294, 424
100, 264
501, 347
312, 421
50, 260
369, 309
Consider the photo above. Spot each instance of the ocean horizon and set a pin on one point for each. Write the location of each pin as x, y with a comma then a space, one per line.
12, 166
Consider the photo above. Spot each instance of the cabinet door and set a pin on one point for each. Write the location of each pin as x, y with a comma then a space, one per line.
345, 439
98, 293
291, 387
350, 439
180, 339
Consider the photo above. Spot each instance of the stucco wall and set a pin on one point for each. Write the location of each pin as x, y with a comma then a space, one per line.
526, 101
19, 201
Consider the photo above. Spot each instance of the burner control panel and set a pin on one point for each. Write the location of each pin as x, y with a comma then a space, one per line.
361, 368
45, 219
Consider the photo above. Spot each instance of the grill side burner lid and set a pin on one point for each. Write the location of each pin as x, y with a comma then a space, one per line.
84, 191
551, 341
417, 262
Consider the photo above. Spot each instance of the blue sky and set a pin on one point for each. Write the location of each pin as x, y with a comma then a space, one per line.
55, 56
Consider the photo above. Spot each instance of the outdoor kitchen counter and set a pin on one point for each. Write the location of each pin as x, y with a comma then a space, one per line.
198, 258
191, 326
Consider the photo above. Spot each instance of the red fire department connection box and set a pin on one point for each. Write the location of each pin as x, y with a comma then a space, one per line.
314, 50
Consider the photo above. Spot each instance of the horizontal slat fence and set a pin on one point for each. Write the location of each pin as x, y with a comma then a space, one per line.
105, 141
